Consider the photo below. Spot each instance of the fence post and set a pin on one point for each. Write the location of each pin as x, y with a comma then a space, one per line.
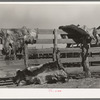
55, 44
56, 53
25, 55
25, 47
84, 55
14, 48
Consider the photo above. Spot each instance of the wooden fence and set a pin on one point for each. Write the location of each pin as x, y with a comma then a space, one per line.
68, 55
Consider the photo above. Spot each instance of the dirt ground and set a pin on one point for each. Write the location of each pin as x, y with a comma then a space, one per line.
76, 80
73, 83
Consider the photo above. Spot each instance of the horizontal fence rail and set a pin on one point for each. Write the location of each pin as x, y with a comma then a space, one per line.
66, 51
63, 50
50, 41
63, 60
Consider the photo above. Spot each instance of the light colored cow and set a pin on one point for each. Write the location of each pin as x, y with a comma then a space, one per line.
14, 39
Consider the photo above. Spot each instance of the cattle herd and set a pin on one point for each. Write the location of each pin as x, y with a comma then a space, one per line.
13, 41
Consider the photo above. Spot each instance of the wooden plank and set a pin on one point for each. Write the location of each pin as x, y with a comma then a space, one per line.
42, 61
91, 59
67, 50
70, 50
63, 60
70, 60
42, 51
50, 41
39, 61
44, 41
50, 50
94, 59
94, 49
50, 31
45, 31
63, 50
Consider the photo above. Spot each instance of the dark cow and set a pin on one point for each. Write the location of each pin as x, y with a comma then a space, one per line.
83, 36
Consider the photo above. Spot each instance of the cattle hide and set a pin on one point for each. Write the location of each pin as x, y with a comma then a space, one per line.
44, 73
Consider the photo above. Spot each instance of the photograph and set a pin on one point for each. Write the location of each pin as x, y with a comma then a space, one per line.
50, 46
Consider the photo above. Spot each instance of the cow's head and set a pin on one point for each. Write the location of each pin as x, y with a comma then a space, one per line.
63, 28
7, 41
30, 35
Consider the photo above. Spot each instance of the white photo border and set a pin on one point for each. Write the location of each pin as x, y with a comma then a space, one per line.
27, 93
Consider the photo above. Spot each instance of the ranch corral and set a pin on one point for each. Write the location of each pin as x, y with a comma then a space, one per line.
70, 57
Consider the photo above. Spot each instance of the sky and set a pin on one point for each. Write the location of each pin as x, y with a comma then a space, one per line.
48, 16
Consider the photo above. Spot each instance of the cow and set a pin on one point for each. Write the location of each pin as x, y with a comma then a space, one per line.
40, 74
14, 40
84, 36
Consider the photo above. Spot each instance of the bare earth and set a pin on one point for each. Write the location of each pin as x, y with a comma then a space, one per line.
73, 83
76, 80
